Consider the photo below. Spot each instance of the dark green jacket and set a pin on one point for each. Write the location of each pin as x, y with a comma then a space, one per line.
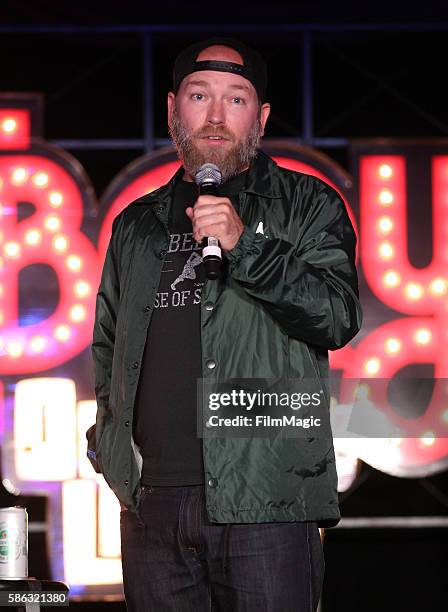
290, 295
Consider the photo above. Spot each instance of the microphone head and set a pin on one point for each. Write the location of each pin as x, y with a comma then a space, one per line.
208, 174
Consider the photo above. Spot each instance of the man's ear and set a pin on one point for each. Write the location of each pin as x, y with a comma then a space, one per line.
264, 114
171, 101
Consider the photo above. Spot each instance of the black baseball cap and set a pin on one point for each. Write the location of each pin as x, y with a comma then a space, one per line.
253, 68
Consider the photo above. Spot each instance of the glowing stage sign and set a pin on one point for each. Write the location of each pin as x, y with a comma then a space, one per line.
51, 235
420, 293
44, 424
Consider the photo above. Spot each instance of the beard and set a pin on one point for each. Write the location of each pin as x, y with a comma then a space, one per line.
230, 160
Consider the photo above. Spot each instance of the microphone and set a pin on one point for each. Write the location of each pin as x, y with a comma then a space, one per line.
208, 178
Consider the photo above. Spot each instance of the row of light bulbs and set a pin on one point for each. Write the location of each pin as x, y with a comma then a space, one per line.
60, 243
19, 176
392, 346
385, 225
37, 344
414, 290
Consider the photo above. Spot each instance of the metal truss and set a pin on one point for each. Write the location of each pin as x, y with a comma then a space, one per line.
148, 142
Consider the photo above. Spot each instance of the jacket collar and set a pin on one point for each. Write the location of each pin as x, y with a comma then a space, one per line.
262, 179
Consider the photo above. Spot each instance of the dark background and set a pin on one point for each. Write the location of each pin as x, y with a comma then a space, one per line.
385, 81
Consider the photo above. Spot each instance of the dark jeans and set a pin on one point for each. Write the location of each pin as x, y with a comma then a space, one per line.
175, 560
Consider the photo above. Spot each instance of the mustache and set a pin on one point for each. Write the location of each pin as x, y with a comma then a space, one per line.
221, 132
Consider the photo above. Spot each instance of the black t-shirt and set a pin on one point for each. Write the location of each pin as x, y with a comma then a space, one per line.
165, 411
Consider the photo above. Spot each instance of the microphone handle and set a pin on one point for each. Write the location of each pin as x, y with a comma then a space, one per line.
211, 251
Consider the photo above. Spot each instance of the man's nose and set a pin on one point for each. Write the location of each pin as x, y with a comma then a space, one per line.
216, 114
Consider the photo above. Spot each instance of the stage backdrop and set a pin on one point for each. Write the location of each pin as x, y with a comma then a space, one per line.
53, 237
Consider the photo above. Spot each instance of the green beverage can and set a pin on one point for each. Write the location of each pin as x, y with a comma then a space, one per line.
13, 542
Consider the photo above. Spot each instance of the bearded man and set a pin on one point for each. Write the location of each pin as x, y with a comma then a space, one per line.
225, 523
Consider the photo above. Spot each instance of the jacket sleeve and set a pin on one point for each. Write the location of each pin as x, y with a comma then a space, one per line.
310, 288
107, 302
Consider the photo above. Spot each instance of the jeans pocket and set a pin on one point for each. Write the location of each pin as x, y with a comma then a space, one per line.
145, 492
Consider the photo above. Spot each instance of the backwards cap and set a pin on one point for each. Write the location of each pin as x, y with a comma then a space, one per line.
253, 68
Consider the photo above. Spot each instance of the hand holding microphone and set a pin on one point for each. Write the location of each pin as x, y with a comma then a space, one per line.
215, 221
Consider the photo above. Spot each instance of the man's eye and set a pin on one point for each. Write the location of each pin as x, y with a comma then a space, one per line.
197, 96
238, 100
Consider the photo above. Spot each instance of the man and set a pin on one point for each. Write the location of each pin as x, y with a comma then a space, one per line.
222, 523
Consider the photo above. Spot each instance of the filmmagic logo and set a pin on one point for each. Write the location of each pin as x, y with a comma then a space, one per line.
262, 421
246, 400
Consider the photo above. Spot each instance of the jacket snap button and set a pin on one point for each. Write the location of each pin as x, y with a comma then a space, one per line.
212, 482
135, 365
126, 482
126, 423
211, 364
162, 254
208, 306
160, 209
